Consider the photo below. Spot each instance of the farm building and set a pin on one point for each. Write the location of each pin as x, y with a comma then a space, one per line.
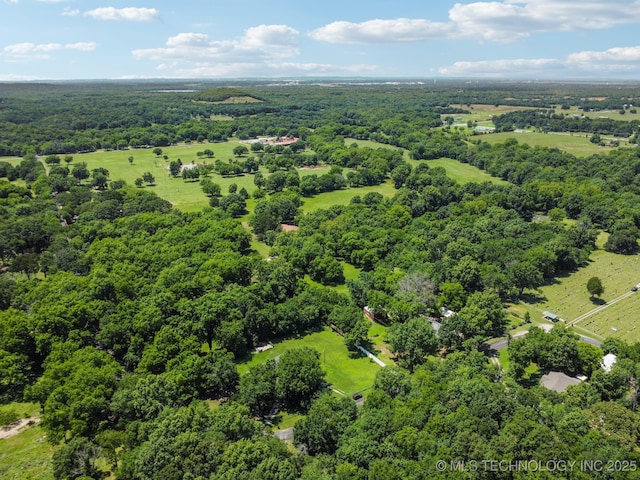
550, 316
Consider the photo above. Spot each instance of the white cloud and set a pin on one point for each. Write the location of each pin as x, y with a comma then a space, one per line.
42, 51
68, 12
496, 21
529, 68
619, 61
259, 43
131, 14
262, 51
399, 30
279, 69
613, 56
514, 19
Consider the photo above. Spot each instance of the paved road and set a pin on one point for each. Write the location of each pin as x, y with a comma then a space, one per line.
600, 308
504, 342
592, 341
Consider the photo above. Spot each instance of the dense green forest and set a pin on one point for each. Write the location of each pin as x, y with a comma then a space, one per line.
127, 319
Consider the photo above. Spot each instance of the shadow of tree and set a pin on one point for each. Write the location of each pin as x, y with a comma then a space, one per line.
533, 298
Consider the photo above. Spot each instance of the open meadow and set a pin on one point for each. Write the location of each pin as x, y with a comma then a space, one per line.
611, 114
345, 371
568, 297
185, 195
460, 172
577, 144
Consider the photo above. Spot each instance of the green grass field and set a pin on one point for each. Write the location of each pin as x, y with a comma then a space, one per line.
568, 297
27, 455
185, 195
460, 172
482, 112
577, 144
343, 197
612, 114
345, 371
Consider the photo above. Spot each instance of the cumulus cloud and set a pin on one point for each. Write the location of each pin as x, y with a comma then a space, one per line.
262, 51
514, 19
399, 30
495, 21
41, 51
131, 14
613, 55
259, 43
614, 61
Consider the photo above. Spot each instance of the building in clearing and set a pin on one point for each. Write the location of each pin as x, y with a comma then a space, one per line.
558, 381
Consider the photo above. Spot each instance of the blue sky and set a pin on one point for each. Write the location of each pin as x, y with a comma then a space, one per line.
123, 39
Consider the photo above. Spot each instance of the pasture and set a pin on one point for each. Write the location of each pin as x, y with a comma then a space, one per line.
568, 297
185, 195
611, 114
577, 144
482, 113
345, 371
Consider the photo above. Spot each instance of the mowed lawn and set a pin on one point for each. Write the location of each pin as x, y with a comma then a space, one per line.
577, 144
345, 371
568, 297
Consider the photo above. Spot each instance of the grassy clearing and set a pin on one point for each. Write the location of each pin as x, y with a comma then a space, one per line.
262, 248
568, 296
186, 196
503, 357
481, 112
577, 144
345, 371
378, 336
286, 420
27, 455
343, 197
611, 114
460, 172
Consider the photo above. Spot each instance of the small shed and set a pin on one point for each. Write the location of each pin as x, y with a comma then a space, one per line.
550, 316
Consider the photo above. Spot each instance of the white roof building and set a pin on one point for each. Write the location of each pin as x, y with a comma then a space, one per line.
608, 361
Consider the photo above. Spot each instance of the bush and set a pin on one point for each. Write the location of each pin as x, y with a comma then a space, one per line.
8, 416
